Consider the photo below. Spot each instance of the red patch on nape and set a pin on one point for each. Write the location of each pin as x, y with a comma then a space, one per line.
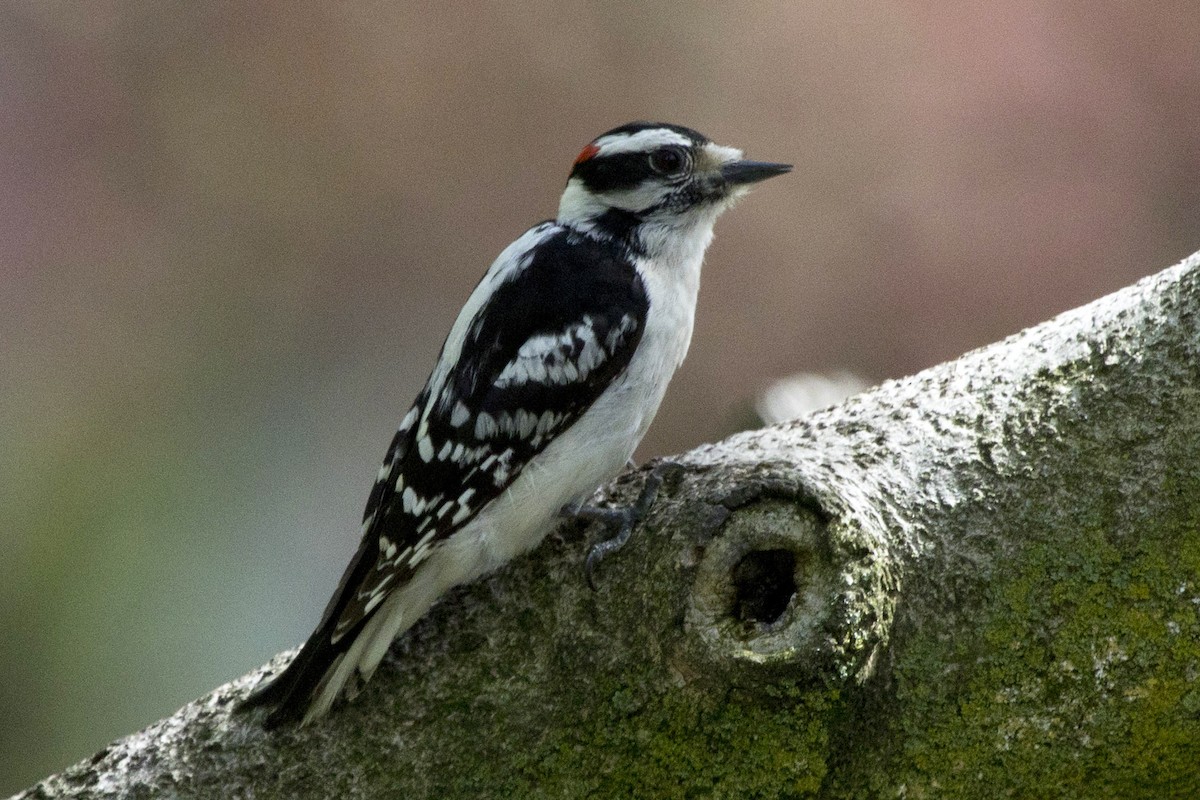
586, 153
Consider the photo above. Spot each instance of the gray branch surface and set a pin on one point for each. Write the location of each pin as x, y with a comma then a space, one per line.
980, 581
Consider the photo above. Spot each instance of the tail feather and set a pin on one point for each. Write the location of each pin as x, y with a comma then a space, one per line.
291, 693
325, 669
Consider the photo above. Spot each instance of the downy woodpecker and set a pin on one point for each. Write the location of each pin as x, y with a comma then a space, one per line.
545, 385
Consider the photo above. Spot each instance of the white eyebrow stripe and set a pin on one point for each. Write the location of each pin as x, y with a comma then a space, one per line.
640, 142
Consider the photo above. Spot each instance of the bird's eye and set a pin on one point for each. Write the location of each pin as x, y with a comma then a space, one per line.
669, 160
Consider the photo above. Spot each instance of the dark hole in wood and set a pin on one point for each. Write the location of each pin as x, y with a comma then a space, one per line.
764, 582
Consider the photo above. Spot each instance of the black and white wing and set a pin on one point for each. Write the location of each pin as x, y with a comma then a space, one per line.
557, 325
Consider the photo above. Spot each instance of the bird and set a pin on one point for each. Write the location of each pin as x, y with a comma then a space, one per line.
545, 385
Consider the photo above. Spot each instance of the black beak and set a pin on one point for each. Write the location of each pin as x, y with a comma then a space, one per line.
737, 173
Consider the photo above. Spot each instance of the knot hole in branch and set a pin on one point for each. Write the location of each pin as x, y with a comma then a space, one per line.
765, 590
764, 583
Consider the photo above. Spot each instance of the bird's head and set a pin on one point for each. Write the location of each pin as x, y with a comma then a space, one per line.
652, 176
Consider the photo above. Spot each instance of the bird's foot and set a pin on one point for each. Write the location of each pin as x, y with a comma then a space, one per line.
621, 520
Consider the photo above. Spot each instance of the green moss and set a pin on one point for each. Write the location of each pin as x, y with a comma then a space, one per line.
681, 745
1081, 682
1079, 676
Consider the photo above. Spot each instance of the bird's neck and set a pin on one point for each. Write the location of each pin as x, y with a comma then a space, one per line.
677, 246
680, 242
614, 227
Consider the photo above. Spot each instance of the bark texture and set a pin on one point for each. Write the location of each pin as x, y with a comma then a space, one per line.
980, 581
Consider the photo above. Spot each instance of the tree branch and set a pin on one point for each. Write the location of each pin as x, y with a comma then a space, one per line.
977, 581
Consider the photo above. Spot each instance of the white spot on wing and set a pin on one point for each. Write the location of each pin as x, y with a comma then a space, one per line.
425, 448
617, 334
460, 414
548, 359
526, 422
387, 547
376, 593
546, 422
419, 555
374, 601
485, 426
501, 470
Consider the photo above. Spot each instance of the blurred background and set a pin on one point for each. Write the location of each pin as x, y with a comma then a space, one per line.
233, 235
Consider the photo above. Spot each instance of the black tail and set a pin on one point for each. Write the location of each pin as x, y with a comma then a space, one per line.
292, 691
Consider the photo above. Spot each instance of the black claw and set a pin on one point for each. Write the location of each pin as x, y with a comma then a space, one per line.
623, 520
602, 549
